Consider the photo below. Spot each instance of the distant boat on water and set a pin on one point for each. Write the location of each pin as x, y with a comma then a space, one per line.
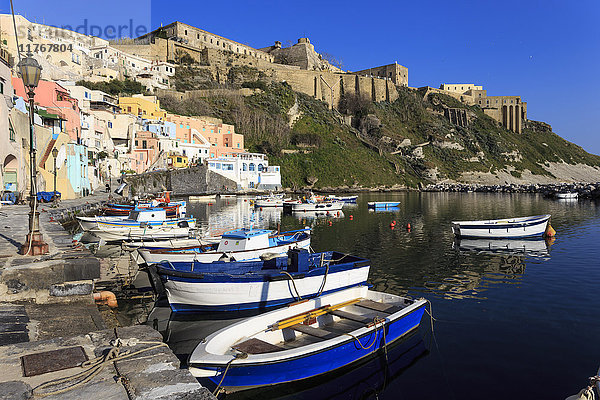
502, 228
383, 204
567, 195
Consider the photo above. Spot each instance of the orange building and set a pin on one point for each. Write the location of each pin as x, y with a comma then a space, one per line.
222, 137
145, 151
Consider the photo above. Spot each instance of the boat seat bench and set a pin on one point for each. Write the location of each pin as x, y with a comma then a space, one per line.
256, 346
351, 316
376, 306
312, 331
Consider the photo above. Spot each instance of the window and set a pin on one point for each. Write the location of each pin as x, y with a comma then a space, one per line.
181, 125
260, 167
238, 145
109, 124
212, 164
227, 167
244, 167
251, 167
185, 32
144, 144
187, 127
136, 143
218, 165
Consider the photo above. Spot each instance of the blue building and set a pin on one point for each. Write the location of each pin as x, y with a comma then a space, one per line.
77, 168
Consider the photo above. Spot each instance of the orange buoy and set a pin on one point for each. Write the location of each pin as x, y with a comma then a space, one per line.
106, 297
330, 223
550, 232
392, 227
351, 217
408, 226
210, 204
261, 209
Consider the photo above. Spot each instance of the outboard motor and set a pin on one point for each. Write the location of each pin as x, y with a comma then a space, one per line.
183, 224
298, 260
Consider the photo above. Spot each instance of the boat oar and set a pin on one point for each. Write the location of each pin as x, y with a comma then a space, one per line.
299, 318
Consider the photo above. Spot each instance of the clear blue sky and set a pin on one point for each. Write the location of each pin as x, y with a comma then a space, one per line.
548, 52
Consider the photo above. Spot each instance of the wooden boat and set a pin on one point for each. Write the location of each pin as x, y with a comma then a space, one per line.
383, 204
170, 243
502, 228
148, 232
207, 197
567, 195
345, 199
142, 217
269, 201
305, 339
240, 245
299, 206
235, 286
136, 217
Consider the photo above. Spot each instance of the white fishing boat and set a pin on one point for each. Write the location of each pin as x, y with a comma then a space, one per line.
170, 243
300, 206
148, 232
567, 195
207, 197
137, 217
260, 284
345, 199
239, 245
502, 228
268, 201
305, 339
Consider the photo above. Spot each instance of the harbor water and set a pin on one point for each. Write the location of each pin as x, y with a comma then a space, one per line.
513, 319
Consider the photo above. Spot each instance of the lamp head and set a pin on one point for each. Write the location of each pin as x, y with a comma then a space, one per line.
30, 71
55, 152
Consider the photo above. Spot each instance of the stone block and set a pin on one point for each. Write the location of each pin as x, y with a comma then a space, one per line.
15, 390
71, 289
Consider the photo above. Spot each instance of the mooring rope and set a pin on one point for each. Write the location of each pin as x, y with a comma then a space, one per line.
96, 365
239, 356
293, 284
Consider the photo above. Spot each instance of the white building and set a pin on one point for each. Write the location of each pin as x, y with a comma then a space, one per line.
248, 170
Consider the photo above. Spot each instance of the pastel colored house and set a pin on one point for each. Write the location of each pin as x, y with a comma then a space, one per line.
248, 170
57, 100
144, 152
142, 106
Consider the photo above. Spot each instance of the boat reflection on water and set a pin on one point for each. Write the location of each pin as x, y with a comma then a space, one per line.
310, 215
365, 379
384, 210
528, 247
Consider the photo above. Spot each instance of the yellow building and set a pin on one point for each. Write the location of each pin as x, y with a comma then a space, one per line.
177, 161
142, 106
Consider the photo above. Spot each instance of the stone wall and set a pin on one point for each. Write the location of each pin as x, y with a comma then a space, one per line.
181, 182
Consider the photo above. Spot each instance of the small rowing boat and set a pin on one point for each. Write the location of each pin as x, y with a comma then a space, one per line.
502, 228
305, 339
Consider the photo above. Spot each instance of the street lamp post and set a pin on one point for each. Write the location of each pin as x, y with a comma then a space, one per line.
31, 72
54, 154
109, 176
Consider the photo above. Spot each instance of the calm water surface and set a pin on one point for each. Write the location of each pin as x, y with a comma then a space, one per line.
510, 323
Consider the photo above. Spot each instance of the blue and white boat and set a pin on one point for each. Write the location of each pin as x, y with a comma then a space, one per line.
345, 199
139, 217
502, 228
238, 245
234, 286
383, 204
306, 339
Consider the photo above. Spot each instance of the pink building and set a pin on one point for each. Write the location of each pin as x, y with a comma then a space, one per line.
144, 152
222, 137
57, 100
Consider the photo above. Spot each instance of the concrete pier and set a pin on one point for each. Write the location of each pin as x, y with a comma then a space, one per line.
48, 318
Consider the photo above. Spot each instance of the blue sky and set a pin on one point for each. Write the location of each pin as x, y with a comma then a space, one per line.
545, 51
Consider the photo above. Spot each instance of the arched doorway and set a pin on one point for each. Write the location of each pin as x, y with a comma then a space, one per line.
9, 178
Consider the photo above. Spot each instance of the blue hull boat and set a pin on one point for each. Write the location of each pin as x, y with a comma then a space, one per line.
383, 204
305, 339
